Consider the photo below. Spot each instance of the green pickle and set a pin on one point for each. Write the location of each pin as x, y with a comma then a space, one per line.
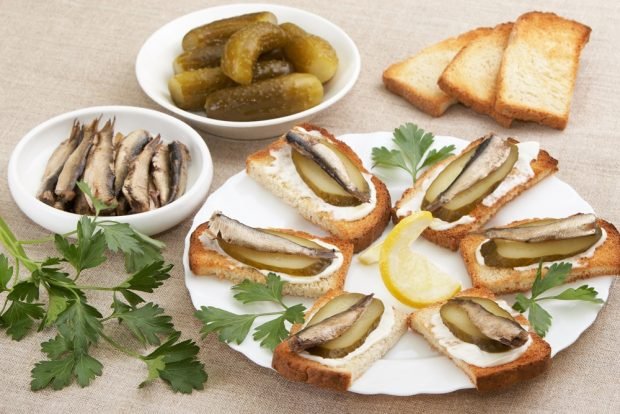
204, 57
310, 53
189, 90
266, 99
245, 46
220, 30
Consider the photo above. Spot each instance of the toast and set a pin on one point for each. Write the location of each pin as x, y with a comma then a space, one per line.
539, 67
296, 367
471, 77
289, 186
205, 261
605, 261
542, 166
534, 361
415, 79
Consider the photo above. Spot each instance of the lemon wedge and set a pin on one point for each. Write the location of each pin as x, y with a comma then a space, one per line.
410, 276
371, 254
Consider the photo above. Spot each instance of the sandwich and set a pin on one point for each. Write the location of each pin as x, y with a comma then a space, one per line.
230, 250
343, 335
464, 191
325, 181
482, 336
505, 259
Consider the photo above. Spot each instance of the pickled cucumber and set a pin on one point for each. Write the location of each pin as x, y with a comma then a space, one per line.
203, 57
310, 53
190, 89
245, 46
266, 99
220, 30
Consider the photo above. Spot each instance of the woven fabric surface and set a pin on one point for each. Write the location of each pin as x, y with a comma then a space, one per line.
58, 56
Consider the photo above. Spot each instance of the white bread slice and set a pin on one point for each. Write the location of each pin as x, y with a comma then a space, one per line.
605, 261
539, 68
471, 77
535, 360
296, 367
543, 166
207, 262
415, 79
361, 232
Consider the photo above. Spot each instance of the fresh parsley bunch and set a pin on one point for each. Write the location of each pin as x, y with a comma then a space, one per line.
233, 327
539, 318
78, 325
413, 152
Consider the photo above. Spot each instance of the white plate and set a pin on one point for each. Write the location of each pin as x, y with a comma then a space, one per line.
411, 367
31, 154
154, 67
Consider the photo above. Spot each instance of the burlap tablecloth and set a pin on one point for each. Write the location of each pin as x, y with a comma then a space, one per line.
58, 56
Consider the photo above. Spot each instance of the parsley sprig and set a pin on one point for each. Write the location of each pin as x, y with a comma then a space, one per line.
413, 152
539, 318
232, 327
78, 325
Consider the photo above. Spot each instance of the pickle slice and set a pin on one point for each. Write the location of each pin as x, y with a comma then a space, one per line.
294, 265
467, 200
310, 53
510, 253
220, 30
245, 46
266, 99
189, 90
458, 321
326, 187
353, 337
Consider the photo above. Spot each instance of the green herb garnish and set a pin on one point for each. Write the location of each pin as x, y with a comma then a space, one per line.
79, 326
413, 143
539, 318
232, 327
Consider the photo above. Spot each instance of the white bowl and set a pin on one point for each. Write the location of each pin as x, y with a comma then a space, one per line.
154, 68
31, 154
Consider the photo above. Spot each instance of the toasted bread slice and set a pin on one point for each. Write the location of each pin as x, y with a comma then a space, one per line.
535, 360
471, 77
542, 166
296, 367
415, 79
361, 232
539, 68
605, 261
205, 261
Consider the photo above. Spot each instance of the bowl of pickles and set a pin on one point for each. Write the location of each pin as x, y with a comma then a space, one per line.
247, 71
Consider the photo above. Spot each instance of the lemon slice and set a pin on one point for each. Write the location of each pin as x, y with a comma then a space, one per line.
410, 276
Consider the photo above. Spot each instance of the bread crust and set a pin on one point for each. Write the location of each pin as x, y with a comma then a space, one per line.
433, 102
605, 261
554, 38
454, 82
295, 367
535, 360
207, 262
543, 166
361, 233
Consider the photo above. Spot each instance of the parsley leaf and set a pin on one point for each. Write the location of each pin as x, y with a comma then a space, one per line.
88, 251
413, 143
147, 255
120, 236
230, 326
80, 323
6, 272
25, 290
148, 278
146, 323
60, 371
19, 318
97, 204
176, 364
539, 318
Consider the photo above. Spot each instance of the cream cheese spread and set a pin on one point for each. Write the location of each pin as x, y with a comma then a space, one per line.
382, 331
576, 261
470, 353
328, 271
283, 167
520, 173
